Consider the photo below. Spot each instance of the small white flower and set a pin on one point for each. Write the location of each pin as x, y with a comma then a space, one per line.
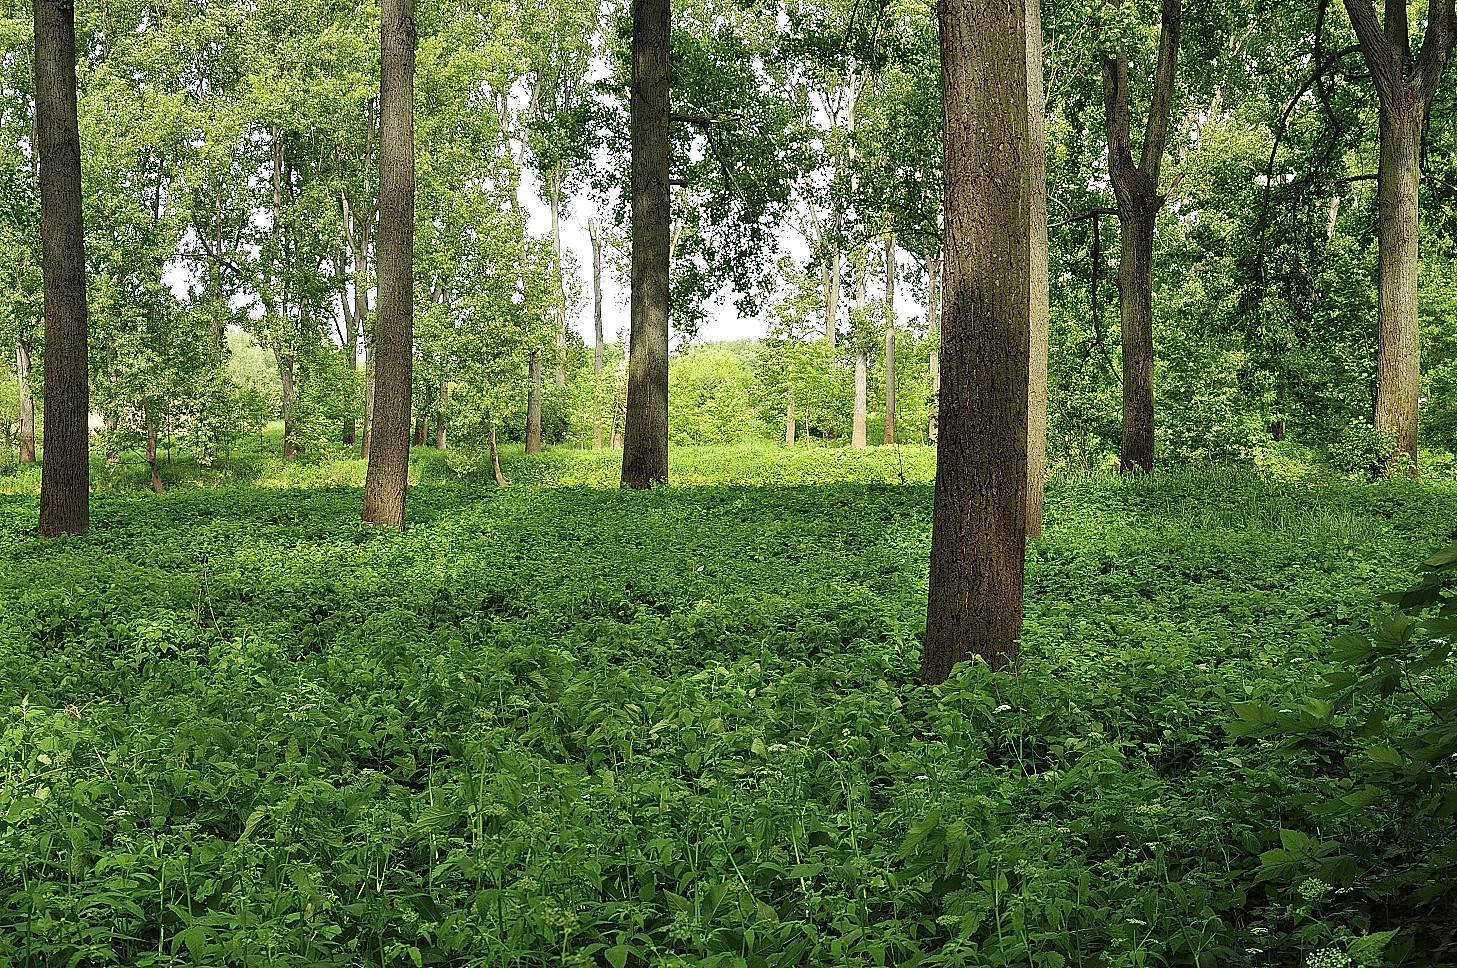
778, 748
1002, 708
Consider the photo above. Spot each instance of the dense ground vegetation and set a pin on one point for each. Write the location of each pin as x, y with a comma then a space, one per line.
564, 724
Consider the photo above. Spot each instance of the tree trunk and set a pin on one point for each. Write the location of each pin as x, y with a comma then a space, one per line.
27, 401
857, 431
645, 437
832, 289
1135, 313
421, 429
933, 312
1136, 188
789, 421
157, 487
286, 394
596, 235
889, 435
65, 474
554, 187
533, 406
443, 420
1040, 297
367, 432
496, 458
977, 537
389, 456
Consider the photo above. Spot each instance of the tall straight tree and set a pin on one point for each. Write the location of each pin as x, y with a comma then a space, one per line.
1405, 86
888, 436
978, 544
1040, 293
1136, 188
645, 435
65, 474
389, 455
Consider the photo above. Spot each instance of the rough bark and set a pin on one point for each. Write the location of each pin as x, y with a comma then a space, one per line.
65, 474
596, 235
1136, 188
287, 392
389, 455
422, 427
533, 406
645, 435
27, 401
1040, 296
977, 538
888, 437
1405, 86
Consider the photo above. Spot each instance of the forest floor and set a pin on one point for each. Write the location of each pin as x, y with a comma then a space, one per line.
563, 724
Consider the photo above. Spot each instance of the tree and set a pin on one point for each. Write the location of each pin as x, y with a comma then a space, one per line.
65, 474
1039, 293
1136, 187
645, 436
889, 435
1405, 86
389, 457
977, 539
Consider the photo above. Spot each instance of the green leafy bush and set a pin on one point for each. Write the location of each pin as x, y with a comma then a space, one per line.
1362, 450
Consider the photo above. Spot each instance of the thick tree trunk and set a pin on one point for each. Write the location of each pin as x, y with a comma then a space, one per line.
27, 401
443, 420
789, 421
157, 487
1398, 352
977, 537
389, 457
555, 191
857, 431
65, 475
888, 437
1135, 312
933, 312
286, 394
1040, 297
596, 235
533, 406
645, 437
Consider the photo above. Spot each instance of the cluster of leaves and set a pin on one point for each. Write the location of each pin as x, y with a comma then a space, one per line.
596, 727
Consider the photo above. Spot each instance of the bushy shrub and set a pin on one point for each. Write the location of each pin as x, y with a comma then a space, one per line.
1361, 449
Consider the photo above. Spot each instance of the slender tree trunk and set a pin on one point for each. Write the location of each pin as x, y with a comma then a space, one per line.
496, 458
367, 431
286, 394
443, 420
832, 289
421, 429
27, 401
157, 487
554, 189
1135, 313
862, 365
65, 475
533, 406
1040, 297
977, 538
933, 312
596, 235
645, 437
889, 435
389, 457
789, 421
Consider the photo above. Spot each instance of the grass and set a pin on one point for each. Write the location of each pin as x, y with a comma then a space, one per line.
562, 724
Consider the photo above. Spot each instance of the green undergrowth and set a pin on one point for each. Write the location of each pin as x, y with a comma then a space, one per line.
570, 725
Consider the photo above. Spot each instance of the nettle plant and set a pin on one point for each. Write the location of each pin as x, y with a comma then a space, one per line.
1375, 751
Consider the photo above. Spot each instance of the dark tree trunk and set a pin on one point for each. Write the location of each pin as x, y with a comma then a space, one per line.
888, 437
977, 538
1040, 297
65, 475
389, 456
286, 393
645, 436
533, 406
1405, 86
421, 429
596, 235
1136, 188
27, 401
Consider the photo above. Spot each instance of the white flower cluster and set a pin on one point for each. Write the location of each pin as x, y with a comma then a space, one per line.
1328, 958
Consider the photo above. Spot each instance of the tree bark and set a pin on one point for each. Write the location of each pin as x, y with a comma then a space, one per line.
367, 430
554, 189
832, 289
1040, 296
596, 235
888, 437
533, 406
65, 474
27, 401
789, 421
933, 312
1136, 188
157, 487
977, 538
287, 390
443, 420
421, 429
1405, 86
857, 431
496, 458
645, 436
389, 456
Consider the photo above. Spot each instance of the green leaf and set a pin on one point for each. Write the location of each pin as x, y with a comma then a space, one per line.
1368, 950
1386, 755
617, 956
